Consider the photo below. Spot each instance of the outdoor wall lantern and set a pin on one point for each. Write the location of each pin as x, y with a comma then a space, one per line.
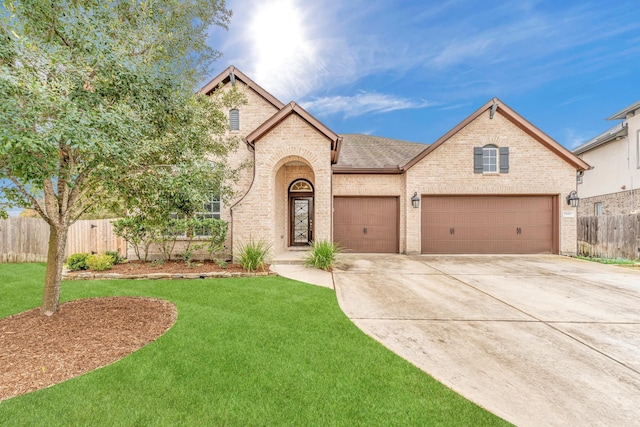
573, 200
415, 200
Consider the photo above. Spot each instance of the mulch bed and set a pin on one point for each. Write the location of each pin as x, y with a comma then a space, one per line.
138, 267
37, 351
167, 270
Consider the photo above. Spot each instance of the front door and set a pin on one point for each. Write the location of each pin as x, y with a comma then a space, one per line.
301, 214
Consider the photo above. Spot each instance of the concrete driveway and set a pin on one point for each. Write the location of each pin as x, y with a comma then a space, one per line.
537, 340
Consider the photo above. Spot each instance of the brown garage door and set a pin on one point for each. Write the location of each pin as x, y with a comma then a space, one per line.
488, 224
366, 224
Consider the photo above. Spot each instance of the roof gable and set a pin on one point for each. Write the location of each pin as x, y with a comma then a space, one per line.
286, 111
497, 106
230, 75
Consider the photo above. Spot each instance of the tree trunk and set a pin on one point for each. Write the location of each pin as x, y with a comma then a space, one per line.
53, 276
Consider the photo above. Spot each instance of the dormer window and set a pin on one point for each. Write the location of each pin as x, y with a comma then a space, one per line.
234, 119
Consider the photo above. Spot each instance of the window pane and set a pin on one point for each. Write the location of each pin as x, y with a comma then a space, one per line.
490, 159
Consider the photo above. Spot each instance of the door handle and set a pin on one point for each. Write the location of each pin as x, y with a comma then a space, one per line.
364, 230
452, 231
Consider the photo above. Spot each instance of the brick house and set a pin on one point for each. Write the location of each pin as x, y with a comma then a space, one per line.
612, 185
493, 184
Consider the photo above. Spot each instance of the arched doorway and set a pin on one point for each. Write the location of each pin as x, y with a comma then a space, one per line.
300, 213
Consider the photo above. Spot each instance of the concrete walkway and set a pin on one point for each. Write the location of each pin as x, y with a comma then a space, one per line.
291, 265
537, 340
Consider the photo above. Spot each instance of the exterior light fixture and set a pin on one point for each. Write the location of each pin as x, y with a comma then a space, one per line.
573, 200
415, 201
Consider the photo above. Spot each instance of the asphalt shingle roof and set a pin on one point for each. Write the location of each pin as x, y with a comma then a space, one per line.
366, 151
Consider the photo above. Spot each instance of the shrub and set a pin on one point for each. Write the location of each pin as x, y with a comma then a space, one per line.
252, 255
137, 232
117, 259
100, 262
78, 261
322, 255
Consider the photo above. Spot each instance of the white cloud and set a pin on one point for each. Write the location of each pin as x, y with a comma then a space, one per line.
360, 104
295, 48
574, 138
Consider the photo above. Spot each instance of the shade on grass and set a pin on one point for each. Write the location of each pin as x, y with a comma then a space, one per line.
254, 351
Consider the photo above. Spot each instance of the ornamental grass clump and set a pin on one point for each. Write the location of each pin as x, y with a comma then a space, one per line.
322, 255
252, 256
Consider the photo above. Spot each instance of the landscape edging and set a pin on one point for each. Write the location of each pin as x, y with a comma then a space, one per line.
156, 276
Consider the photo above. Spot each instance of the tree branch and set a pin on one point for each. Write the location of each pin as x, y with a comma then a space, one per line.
34, 202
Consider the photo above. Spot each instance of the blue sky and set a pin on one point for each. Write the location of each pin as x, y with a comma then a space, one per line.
412, 69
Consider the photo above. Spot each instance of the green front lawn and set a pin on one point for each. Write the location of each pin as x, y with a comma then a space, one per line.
244, 352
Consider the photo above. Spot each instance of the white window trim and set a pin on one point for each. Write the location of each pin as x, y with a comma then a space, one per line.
215, 214
597, 208
497, 157
638, 149
213, 200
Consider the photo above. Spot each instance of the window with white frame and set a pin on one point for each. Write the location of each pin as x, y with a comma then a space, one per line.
210, 210
489, 159
597, 208
638, 148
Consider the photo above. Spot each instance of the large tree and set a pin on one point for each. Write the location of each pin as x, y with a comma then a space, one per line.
97, 103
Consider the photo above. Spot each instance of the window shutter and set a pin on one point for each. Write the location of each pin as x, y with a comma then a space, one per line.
234, 119
477, 159
504, 159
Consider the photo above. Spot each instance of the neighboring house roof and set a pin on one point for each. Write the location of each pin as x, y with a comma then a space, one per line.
366, 153
622, 114
617, 132
498, 106
233, 73
293, 108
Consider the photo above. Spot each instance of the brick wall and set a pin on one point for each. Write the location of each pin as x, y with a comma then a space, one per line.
533, 169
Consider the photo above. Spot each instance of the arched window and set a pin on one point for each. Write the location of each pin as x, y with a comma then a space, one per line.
301, 186
234, 119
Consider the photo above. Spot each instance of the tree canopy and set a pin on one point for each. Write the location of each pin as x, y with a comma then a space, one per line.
98, 105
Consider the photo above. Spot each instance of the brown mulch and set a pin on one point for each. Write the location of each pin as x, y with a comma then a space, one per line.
137, 267
37, 351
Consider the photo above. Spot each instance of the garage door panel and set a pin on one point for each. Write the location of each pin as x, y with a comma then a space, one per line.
487, 224
366, 224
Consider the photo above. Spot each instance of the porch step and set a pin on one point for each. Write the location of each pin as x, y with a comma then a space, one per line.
291, 257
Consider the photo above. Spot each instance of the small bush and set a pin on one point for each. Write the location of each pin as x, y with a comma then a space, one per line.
117, 259
252, 255
78, 261
100, 262
322, 255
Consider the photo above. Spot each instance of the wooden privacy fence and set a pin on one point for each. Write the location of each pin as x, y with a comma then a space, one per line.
609, 236
27, 239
